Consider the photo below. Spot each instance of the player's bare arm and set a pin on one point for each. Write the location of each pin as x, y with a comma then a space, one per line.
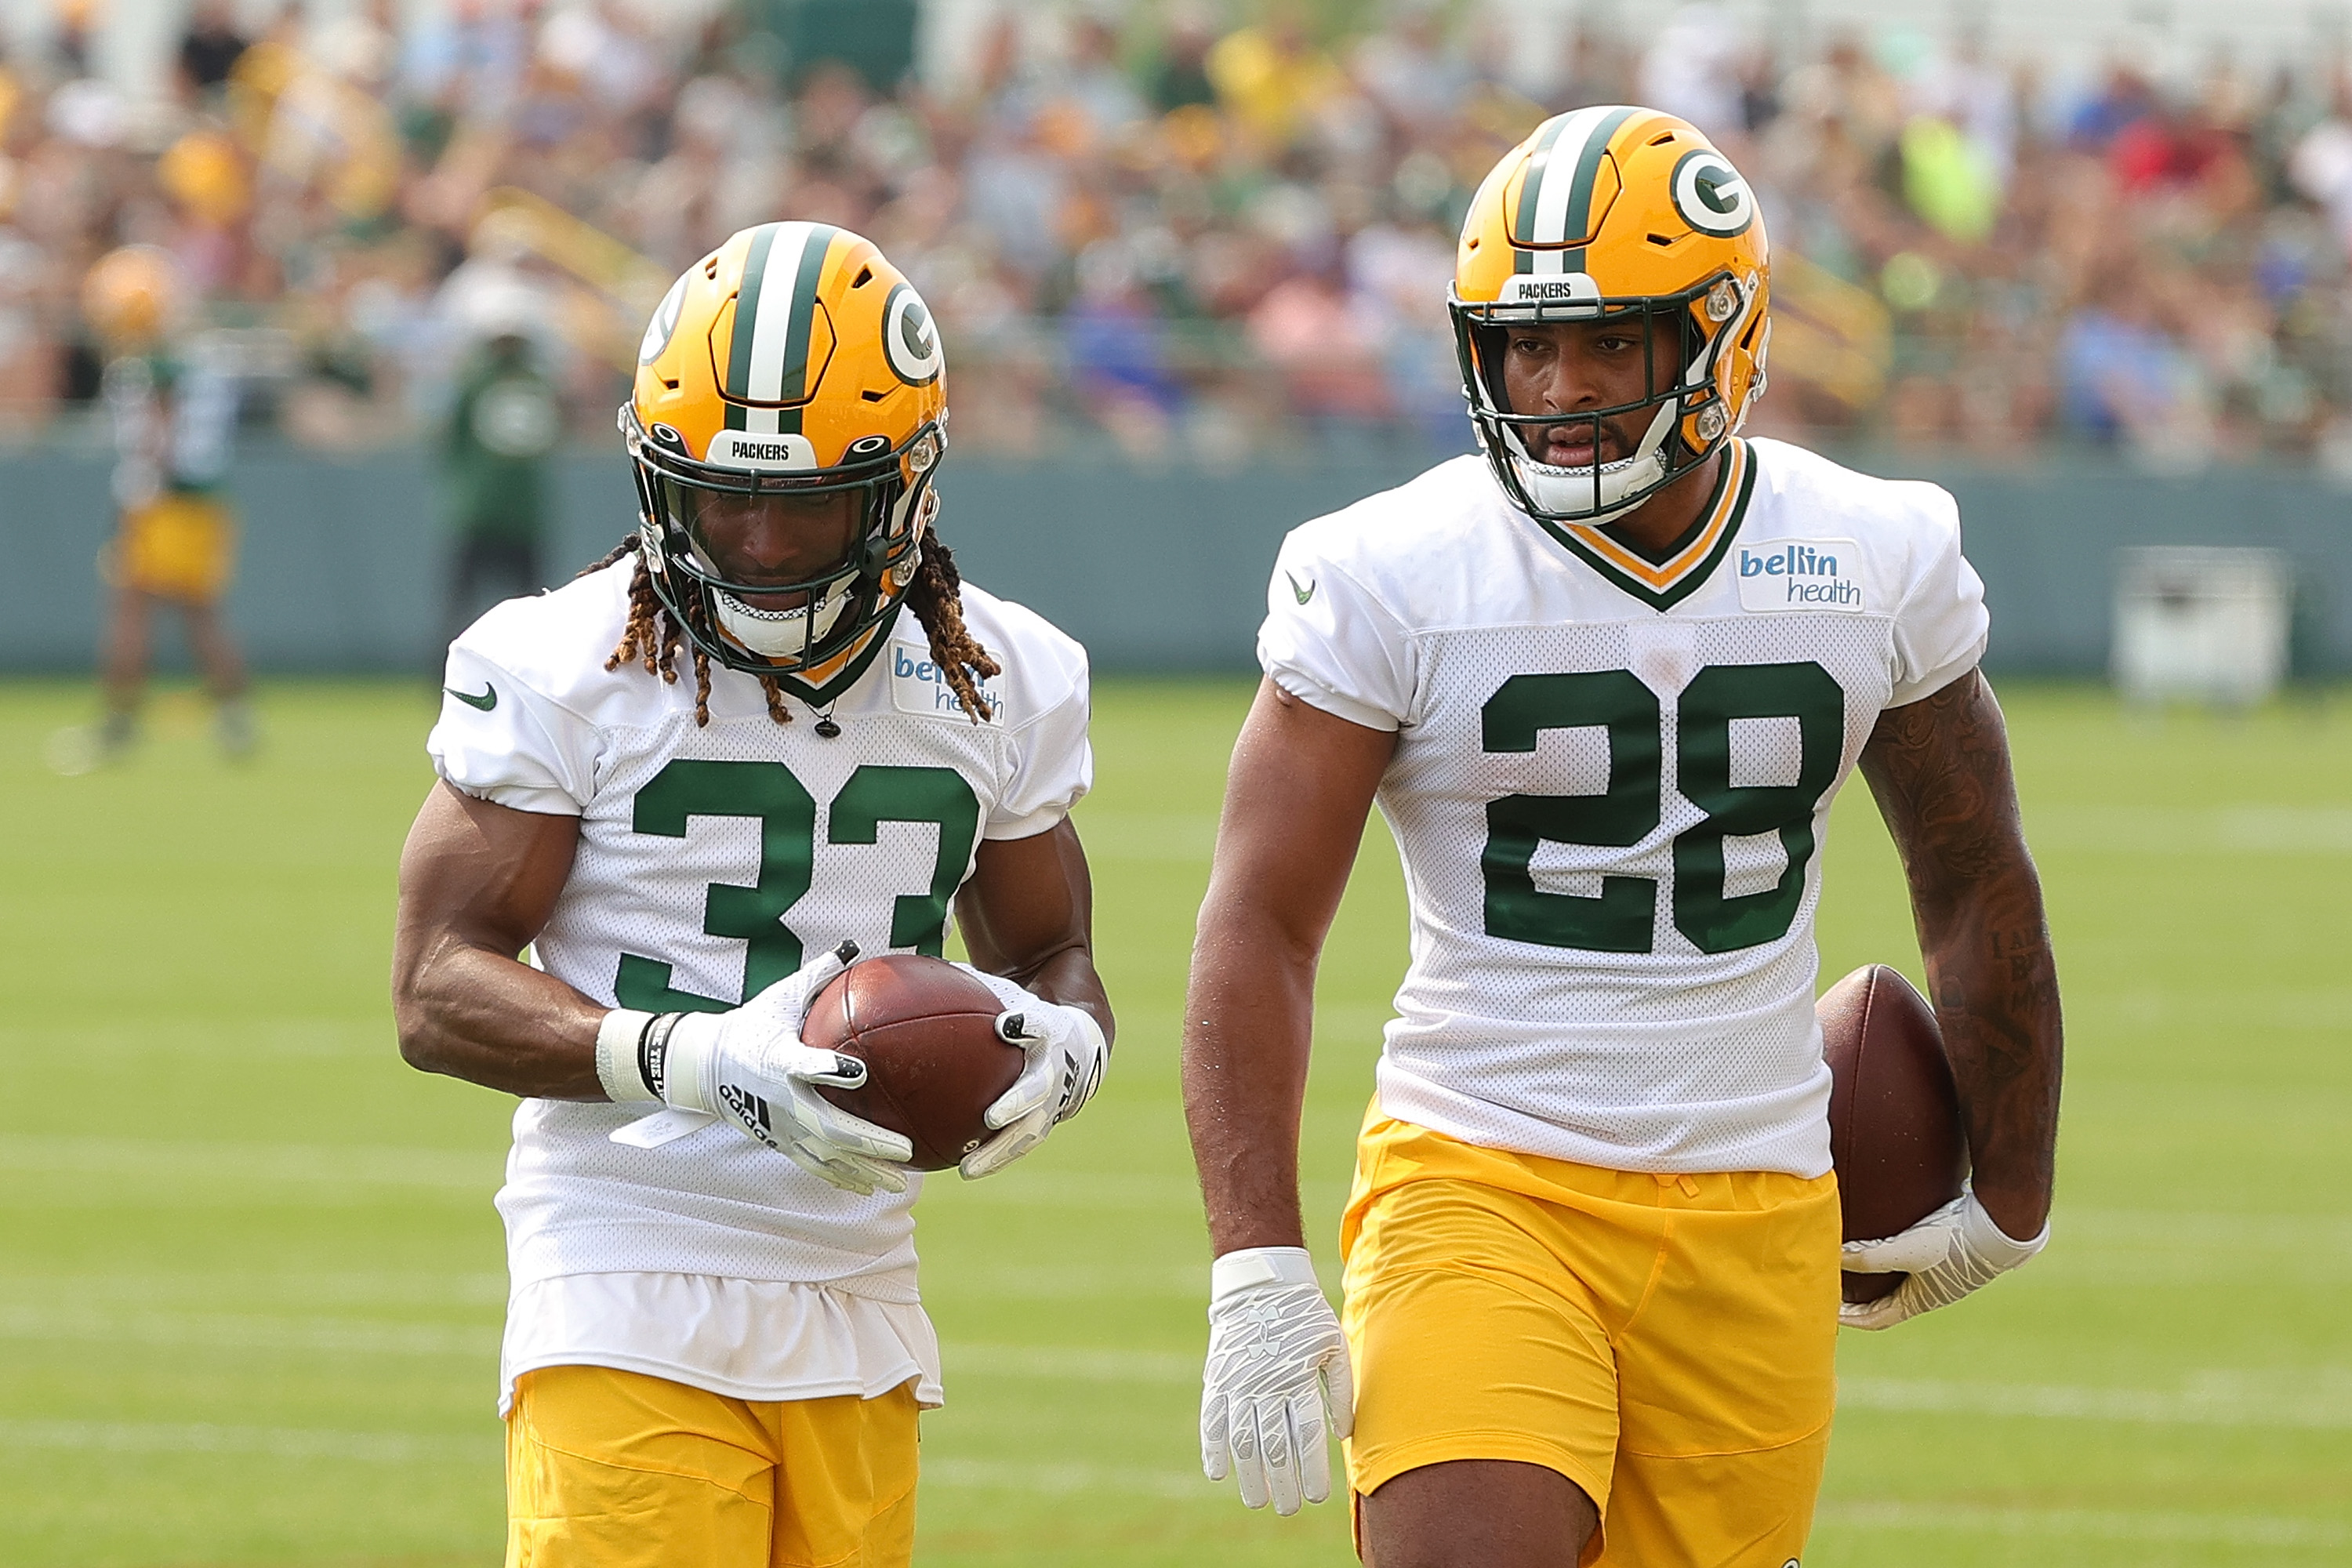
1278, 1381
1297, 799
1939, 769
478, 880
1027, 914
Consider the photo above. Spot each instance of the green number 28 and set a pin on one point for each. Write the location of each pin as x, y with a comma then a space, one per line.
768, 793
1620, 918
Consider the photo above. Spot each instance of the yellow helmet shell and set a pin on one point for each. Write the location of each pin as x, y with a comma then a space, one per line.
784, 348
130, 296
1617, 207
794, 357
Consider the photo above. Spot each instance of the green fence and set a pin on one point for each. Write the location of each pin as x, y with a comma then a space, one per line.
1153, 568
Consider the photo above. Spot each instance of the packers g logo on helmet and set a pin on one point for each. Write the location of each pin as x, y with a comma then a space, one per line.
1614, 212
908, 339
1711, 195
793, 360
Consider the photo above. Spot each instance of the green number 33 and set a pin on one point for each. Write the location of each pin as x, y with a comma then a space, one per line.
1620, 919
786, 812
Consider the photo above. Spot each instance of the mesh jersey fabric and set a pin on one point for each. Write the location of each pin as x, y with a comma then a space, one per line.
710, 859
1605, 968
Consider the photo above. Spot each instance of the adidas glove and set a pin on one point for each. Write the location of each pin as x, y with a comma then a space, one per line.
748, 1067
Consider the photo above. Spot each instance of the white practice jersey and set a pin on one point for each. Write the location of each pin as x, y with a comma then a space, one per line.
1611, 786
710, 860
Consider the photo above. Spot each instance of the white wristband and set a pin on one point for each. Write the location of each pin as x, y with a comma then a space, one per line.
618, 1066
688, 1061
1260, 1265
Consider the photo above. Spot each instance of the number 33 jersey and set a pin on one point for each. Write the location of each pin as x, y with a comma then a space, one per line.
711, 859
1611, 785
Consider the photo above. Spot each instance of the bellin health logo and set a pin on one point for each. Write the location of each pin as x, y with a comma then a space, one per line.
1797, 574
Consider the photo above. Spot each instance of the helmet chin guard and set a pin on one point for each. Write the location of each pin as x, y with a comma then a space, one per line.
1686, 420
833, 610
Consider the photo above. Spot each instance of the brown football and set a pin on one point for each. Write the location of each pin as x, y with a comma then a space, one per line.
1895, 1135
927, 1033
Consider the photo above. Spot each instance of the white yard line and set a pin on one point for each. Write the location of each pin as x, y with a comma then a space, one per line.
338, 1336
2318, 1400
278, 1442
2192, 1407
1076, 1479
320, 1166
1068, 1480
1174, 1367
1966, 1518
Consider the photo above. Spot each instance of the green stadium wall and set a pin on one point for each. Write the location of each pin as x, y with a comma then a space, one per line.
1153, 568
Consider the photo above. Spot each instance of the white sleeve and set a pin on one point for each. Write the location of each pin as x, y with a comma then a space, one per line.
1329, 643
499, 740
1052, 767
1941, 625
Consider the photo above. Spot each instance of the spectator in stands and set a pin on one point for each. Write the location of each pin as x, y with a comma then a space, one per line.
1965, 211
210, 47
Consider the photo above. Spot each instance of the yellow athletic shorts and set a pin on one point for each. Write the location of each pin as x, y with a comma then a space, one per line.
1667, 1342
177, 546
614, 1469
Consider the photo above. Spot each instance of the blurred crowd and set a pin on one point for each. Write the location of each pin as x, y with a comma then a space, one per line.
1179, 229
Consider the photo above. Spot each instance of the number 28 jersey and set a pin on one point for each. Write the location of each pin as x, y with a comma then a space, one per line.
1611, 782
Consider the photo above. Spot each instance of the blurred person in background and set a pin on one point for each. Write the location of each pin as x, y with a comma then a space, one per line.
174, 413
503, 427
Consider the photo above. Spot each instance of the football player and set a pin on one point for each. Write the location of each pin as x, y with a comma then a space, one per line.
174, 413
1603, 682
714, 1348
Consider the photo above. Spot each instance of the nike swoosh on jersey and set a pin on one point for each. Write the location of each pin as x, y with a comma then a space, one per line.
1301, 595
486, 702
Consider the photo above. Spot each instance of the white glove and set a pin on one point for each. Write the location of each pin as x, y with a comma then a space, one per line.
1276, 1356
1953, 1251
749, 1067
1066, 1053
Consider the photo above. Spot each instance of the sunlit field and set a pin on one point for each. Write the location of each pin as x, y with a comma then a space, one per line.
250, 1281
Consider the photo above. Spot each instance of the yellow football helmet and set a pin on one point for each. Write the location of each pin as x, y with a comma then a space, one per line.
1615, 211
130, 296
793, 360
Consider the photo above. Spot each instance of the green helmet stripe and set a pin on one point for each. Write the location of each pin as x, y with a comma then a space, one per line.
1580, 195
793, 381
1523, 222
747, 315
768, 352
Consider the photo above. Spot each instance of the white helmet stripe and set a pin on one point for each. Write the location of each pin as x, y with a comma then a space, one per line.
772, 327
1560, 180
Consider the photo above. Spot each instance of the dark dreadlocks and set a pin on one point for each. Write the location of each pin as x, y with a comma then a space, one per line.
652, 635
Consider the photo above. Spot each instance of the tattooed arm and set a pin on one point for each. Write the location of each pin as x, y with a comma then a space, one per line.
1939, 770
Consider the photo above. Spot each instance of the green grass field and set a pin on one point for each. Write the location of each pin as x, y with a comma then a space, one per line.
250, 1280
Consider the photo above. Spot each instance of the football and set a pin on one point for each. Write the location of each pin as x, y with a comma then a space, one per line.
1896, 1136
934, 1062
